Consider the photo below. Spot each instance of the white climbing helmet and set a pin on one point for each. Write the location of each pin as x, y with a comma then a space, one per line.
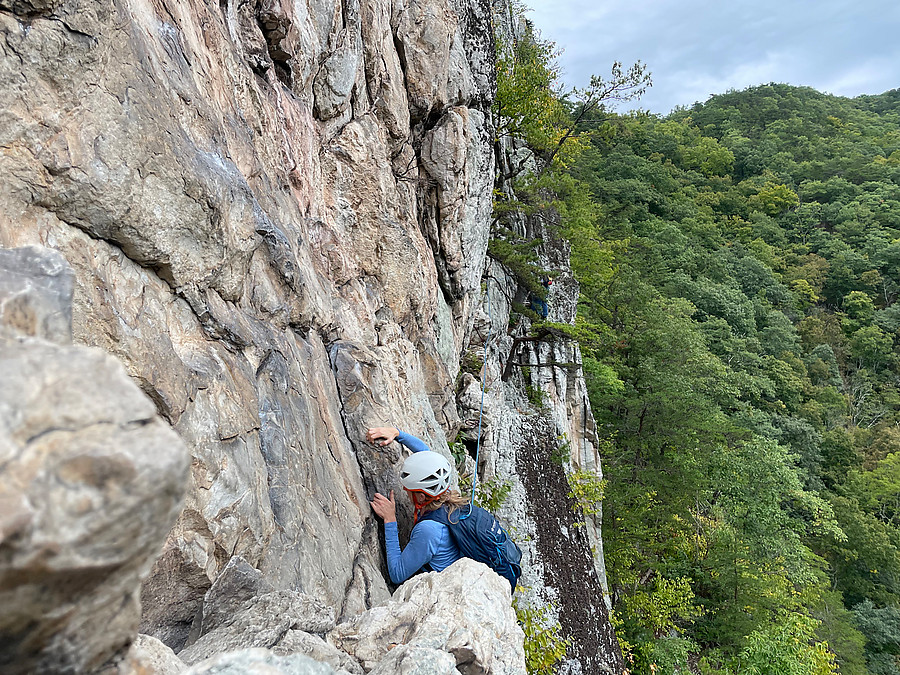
426, 471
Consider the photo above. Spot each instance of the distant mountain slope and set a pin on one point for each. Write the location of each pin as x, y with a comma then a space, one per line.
745, 365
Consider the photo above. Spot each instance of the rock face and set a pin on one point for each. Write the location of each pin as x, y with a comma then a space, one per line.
241, 191
151, 657
261, 622
456, 621
36, 294
261, 662
463, 611
276, 215
91, 480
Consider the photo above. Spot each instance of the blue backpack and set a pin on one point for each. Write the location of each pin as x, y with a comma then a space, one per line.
479, 536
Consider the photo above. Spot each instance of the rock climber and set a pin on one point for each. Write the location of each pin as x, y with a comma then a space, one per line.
425, 477
538, 302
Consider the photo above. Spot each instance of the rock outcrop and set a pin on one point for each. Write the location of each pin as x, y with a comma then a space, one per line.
36, 295
261, 662
262, 622
148, 656
242, 193
276, 215
456, 621
463, 611
91, 480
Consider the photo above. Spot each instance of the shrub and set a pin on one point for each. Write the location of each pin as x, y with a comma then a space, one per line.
587, 489
544, 646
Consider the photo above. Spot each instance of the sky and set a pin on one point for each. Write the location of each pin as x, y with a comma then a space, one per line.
697, 48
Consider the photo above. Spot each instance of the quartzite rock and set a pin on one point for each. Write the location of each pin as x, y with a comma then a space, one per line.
90, 482
234, 590
36, 286
463, 611
224, 238
149, 656
412, 660
423, 30
261, 622
301, 642
260, 662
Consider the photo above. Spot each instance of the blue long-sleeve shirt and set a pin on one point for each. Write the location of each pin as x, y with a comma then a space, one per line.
411, 442
430, 542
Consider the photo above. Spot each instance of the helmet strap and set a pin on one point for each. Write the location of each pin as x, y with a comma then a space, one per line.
428, 502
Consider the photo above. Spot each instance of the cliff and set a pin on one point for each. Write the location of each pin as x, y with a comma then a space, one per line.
277, 216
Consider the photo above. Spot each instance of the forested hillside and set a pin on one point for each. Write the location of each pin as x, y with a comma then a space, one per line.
740, 270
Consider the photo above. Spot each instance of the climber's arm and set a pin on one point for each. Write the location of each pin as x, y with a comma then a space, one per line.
384, 435
423, 543
413, 443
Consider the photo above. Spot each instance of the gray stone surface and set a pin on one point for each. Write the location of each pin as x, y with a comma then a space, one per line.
260, 662
149, 655
235, 589
90, 482
424, 30
412, 660
224, 239
172, 598
301, 642
463, 611
260, 622
337, 75
36, 286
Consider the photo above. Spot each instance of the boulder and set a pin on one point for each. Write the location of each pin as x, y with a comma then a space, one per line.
262, 622
300, 642
91, 479
463, 611
260, 662
149, 656
411, 660
233, 590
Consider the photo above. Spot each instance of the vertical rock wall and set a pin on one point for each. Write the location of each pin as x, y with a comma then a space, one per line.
277, 216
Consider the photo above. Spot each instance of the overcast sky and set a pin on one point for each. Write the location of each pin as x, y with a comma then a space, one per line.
696, 48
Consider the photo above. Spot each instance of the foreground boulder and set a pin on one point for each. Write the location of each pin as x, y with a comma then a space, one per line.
261, 662
262, 622
456, 621
463, 611
91, 480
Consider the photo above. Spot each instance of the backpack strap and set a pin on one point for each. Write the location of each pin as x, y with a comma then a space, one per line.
439, 514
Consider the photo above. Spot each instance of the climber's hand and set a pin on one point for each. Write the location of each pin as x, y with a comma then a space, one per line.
385, 508
382, 435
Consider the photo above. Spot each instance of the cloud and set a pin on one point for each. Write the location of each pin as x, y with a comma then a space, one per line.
868, 77
691, 85
695, 48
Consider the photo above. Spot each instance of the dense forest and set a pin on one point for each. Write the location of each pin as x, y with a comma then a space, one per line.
739, 264
750, 377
